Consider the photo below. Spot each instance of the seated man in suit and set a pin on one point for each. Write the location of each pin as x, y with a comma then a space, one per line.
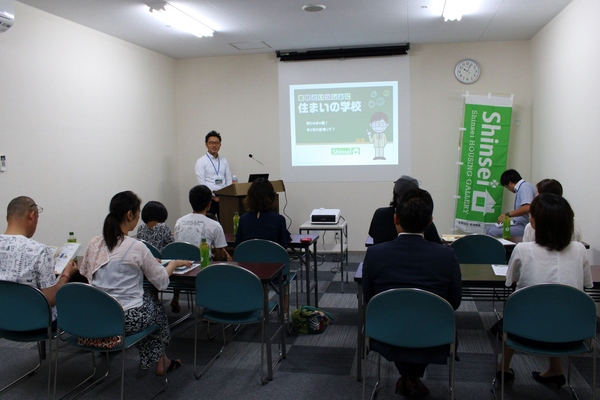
409, 261
382, 228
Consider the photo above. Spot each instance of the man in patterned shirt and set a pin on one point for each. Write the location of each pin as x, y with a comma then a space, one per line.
24, 260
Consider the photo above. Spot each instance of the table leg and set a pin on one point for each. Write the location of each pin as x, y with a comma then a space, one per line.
360, 337
342, 259
316, 274
282, 317
307, 264
266, 331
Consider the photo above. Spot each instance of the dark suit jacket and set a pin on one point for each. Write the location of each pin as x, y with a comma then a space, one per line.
409, 261
382, 228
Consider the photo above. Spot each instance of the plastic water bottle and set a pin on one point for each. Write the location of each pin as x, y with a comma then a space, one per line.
234, 180
506, 227
204, 254
71, 238
236, 222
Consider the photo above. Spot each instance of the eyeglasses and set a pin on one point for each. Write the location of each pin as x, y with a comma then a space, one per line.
39, 209
214, 143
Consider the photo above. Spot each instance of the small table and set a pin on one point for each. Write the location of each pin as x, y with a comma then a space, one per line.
342, 228
267, 273
297, 243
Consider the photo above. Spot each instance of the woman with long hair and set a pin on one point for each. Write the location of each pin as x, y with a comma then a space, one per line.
117, 264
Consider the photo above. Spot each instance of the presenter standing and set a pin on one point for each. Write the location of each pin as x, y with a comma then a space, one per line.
212, 170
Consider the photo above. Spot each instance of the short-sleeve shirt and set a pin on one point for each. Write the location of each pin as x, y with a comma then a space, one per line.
26, 261
192, 228
525, 192
158, 236
532, 264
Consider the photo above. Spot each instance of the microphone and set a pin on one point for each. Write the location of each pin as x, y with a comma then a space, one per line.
250, 155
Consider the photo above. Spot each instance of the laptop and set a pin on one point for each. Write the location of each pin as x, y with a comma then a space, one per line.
254, 177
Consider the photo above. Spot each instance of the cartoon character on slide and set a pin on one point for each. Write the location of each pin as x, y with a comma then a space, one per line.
379, 123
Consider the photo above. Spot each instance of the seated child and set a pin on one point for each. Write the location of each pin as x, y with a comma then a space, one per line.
154, 230
158, 234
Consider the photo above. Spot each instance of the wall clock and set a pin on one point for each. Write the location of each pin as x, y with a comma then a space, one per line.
467, 71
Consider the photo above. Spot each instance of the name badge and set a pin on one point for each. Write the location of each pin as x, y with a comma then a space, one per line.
218, 181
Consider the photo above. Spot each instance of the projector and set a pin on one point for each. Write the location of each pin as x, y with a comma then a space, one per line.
325, 216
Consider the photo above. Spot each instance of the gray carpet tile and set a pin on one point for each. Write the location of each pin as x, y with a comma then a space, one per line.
319, 360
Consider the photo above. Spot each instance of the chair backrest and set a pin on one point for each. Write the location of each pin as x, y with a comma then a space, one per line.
260, 250
229, 289
550, 312
23, 308
410, 317
86, 311
181, 251
479, 249
155, 252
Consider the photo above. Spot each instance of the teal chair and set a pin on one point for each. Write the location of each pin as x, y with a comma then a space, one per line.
409, 317
26, 316
88, 312
260, 250
551, 313
181, 251
155, 252
229, 295
479, 249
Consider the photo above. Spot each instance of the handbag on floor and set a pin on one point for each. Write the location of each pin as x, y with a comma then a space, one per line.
307, 319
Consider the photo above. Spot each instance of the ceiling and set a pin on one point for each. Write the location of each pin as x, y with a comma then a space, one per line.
263, 26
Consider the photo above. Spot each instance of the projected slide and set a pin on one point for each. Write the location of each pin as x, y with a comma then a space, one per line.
344, 124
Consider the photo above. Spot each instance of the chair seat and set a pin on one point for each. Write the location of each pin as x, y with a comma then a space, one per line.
26, 336
549, 351
286, 279
237, 318
130, 340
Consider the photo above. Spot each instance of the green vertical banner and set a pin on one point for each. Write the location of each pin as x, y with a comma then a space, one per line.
483, 153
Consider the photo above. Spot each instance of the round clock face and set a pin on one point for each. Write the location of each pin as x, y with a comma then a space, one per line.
467, 71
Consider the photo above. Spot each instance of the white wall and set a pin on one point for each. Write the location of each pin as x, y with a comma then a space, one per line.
566, 122
228, 93
83, 116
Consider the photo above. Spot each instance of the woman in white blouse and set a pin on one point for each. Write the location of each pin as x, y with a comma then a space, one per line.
552, 258
117, 264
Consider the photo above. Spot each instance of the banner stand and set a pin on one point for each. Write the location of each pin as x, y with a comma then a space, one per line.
483, 151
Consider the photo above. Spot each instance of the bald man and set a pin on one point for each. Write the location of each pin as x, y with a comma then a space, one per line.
25, 260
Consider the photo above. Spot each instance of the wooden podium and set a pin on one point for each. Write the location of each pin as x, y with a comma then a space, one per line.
231, 199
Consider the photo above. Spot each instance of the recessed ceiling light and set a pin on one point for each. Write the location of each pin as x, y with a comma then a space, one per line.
313, 7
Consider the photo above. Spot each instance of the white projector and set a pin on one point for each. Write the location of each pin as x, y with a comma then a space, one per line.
329, 216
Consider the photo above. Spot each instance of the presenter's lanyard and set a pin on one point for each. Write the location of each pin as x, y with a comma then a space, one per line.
516, 193
213, 164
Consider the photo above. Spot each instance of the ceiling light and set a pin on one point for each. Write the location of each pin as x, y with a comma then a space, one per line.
313, 7
453, 10
176, 18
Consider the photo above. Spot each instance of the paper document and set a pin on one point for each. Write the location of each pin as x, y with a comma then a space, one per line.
182, 271
504, 241
451, 238
62, 255
500, 270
